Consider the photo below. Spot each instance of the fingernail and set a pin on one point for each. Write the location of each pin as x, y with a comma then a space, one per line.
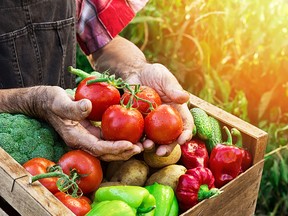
161, 152
83, 106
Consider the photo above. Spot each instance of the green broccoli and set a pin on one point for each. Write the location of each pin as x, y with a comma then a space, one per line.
25, 138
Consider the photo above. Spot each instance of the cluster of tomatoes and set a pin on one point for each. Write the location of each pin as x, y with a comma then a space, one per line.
71, 179
136, 113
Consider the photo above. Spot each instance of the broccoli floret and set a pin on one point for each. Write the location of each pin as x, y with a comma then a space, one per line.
25, 138
19, 157
59, 150
44, 134
7, 143
40, 149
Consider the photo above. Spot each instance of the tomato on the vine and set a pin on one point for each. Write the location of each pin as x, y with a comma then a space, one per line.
37, 166
122, 123
163, 125
80, 206
101, 94
87, 167
145, 92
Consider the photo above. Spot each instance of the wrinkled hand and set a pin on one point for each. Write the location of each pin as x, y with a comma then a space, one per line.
68, 119
163, 81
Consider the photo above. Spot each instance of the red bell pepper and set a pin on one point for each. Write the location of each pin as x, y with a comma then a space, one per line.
194, 154
246, 155
194, 186
225, 161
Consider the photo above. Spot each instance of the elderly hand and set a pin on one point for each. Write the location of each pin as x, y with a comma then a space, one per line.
163, 81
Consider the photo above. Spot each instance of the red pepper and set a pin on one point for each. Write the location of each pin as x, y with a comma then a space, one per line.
225, 161
194, 154
194, 186
246, 155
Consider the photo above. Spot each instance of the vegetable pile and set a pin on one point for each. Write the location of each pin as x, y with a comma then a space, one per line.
146, 184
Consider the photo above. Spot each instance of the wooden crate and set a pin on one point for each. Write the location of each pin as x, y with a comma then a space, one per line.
239, 196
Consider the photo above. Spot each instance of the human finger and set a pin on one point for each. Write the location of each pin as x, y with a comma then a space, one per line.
165, 150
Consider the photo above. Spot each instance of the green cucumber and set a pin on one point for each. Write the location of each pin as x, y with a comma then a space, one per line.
202, 123
216, 134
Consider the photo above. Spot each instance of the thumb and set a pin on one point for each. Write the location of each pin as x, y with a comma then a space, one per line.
170, 85
176, 93
74, 110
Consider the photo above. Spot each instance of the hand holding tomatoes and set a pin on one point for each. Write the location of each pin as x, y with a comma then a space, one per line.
145, 99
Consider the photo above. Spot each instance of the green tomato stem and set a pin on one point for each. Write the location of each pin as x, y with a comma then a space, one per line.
229, 136
237, 133
89, 82
133, 93
65, 183
47, 175
205, 193
78, 72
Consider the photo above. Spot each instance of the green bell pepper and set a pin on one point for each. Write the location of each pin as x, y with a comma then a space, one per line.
111, 208
166, 201
138, 198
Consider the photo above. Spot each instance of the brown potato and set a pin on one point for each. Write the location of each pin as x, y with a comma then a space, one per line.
131, 172
168, 175
112, 168
156, 161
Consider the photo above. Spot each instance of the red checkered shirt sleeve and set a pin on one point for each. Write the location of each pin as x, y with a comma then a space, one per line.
99, 21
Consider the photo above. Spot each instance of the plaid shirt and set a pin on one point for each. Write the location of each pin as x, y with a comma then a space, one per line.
99, 21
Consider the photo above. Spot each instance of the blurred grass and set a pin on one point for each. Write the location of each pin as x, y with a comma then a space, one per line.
233, 54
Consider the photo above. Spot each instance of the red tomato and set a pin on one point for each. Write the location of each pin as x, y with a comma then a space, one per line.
163, 125
86, 165
102, 95
146, 93
79, 206
121, 123
37, 166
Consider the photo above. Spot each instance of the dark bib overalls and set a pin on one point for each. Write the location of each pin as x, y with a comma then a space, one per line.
37, 43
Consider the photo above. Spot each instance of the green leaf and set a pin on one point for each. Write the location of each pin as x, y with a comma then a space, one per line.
284, 170
275, 174
264, 102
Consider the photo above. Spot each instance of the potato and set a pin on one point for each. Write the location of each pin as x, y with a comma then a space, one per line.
131, 172
107, 184
156, 161
112, 167
168, 175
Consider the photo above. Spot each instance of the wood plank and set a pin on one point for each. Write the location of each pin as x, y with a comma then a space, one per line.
3, 213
